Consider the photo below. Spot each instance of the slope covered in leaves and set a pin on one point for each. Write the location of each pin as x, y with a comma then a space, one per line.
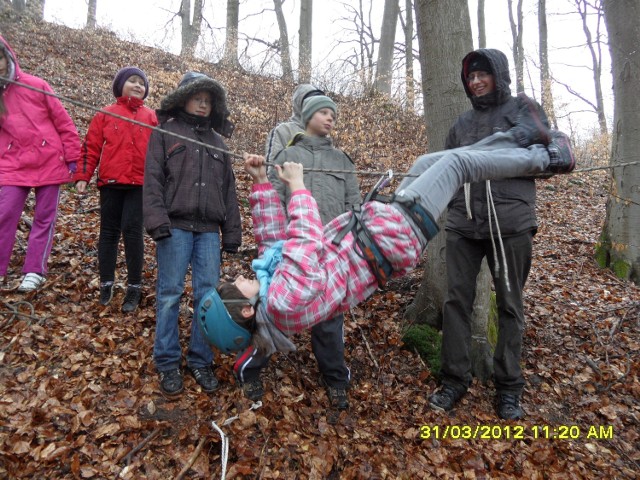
78, 390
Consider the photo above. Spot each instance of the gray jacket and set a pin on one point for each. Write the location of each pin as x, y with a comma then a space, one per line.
335, 193
283, 133
514, 198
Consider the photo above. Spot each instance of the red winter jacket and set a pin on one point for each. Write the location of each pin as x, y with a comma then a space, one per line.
119, 146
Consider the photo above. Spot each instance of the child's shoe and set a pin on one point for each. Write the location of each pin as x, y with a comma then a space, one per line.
131, 298
205, 378
253, 390
106, 293
561, 159
171, 382
31, 281
338, 398
529, 128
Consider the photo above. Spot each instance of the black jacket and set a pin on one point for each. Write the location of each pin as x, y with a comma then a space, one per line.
514, 198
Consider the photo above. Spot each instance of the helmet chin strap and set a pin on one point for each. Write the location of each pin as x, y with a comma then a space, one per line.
253, 301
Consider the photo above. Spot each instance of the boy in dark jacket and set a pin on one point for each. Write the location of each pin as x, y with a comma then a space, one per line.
189, 201
485, 218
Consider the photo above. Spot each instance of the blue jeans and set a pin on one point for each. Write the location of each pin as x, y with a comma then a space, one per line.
174, 255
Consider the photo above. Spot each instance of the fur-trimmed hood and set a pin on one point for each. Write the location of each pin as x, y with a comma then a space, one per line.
190, 84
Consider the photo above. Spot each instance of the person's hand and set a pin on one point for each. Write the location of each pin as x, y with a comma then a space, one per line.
81, 186
254, 165
292, 174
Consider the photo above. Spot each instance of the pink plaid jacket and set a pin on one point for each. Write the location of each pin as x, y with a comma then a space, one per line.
317, 279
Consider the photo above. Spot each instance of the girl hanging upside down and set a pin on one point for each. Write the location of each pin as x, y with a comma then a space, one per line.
307, 274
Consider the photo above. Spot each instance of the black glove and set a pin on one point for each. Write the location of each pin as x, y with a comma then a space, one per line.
161, 232
232, 248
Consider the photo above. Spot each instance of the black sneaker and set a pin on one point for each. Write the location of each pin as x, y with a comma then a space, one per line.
106, 293
131, 299
338, 398
509, 406
253, 390
205, 378
171, 382
445, 398
529, 128
561, 159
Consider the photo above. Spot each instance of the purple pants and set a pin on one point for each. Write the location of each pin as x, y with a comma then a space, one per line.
12, 201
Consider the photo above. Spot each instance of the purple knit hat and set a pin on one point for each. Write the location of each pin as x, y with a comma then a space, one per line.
122, 76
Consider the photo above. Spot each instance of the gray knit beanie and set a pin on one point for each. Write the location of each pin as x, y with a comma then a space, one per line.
312, 104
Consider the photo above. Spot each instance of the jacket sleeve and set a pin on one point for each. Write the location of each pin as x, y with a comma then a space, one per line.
64, 126
276, 142
452, 138
155, 214
278, 185
352, 191
232, 228
91, 149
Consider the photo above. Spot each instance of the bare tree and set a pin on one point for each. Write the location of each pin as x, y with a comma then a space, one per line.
285, 54
545, 75
230, 57
31, 8
91, 15
619, 245
190, 27
518, 46
408, 49
382, 82
482, 34
595, 48
447, 23
304, 62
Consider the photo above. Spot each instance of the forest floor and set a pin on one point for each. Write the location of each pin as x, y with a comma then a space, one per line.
79, 395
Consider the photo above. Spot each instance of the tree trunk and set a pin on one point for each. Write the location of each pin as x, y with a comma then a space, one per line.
285, 54
190, 28
306, 32
595, 48
545, 75
384, 73
230, 57
20, 6
518, 47
92, 14
482, 33
408, 48
619, 246
446, 23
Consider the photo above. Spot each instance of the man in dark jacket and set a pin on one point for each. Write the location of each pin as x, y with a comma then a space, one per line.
496, 220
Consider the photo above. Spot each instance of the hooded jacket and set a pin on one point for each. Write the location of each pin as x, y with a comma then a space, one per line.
514, 198
282, 134
335, 193
120, 147
39, 144
188, 186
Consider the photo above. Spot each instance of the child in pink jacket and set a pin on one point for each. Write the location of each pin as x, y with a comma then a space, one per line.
39, 148
118, 148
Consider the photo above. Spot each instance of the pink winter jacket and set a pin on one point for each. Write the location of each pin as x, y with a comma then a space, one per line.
317, 279
38, 140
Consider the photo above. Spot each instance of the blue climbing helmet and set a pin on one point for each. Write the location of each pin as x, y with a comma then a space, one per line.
217, 325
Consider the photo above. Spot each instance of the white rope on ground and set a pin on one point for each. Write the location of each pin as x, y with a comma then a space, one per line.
224, 449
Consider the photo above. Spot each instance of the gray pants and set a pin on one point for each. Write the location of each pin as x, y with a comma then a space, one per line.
492, 158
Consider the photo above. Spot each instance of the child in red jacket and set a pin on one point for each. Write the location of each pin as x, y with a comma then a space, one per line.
120, 148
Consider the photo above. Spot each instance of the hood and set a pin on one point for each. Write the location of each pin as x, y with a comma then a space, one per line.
12, 61
301, 92
500, 68
174, 103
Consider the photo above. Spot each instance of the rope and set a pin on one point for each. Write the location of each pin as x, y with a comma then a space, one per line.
239, 156
224, 449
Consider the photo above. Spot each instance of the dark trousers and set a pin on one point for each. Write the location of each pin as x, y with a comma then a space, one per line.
327, 343
121, 213
464, 257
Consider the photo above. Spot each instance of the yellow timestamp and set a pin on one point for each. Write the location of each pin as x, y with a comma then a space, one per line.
516, 432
